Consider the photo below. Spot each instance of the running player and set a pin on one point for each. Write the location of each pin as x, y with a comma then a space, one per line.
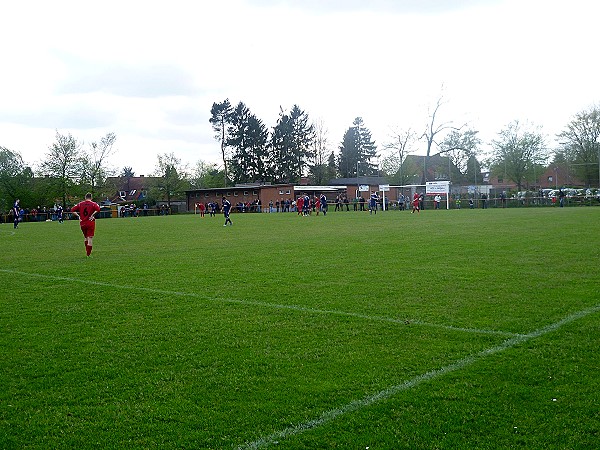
86, 211
415, 203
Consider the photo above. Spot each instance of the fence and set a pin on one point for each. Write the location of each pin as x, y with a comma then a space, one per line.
105, 213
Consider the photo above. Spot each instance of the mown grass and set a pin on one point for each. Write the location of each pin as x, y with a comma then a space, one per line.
180, 333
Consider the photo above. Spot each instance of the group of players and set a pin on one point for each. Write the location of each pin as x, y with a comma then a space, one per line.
305, 205
87, 209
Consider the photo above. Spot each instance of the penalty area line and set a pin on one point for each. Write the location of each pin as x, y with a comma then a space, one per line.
329, 416
261, 304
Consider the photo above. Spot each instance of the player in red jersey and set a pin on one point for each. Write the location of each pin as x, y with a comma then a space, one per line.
202, 208
415, 203
300, 205
86, 211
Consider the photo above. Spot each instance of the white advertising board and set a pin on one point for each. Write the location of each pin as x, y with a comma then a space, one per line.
437, 187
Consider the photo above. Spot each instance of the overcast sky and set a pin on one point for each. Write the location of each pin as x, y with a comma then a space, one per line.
149, 71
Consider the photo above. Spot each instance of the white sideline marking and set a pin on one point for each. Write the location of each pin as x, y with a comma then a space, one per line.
368, 400
262, 304
333, 414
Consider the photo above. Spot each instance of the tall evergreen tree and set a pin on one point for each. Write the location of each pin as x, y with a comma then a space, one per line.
258, 137
220, 119
291, 144
248, 137
357, 151
331, 167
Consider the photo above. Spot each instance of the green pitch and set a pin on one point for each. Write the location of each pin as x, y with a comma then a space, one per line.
446, 329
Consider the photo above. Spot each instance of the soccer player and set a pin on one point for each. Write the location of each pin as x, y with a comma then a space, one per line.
300, 204
59, 213
415, 203
306, 205
323, 201
226, 210
16, 210
373, 203
86, 211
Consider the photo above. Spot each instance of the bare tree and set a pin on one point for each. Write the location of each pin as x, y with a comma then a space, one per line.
433, 132
94, 162
400, 145
318, 169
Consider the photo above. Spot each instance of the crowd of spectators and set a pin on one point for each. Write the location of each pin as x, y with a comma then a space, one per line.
36, 214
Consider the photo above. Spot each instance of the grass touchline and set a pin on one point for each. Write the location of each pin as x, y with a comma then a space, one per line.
330, 415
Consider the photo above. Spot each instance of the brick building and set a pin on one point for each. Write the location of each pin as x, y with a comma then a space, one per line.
266, 193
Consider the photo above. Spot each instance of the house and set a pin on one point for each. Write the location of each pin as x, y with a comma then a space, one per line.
357, 187
129, 189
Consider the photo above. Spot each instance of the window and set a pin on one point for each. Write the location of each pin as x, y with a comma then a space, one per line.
132, 192
280, 191
288, 192
206, 195
245, 193
550, 178
235, 194
122, 194
254, 193
229, 194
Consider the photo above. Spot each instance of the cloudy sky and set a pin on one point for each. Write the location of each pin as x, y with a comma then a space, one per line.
149, 71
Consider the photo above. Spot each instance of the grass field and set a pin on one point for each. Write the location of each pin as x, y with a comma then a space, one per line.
475, 329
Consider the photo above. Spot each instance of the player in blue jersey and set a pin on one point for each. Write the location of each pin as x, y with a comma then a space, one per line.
59, 214
226, 211
16, 211
323, 201
373, 203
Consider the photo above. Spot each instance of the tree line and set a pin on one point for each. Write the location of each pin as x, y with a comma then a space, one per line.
294, 148
297, 148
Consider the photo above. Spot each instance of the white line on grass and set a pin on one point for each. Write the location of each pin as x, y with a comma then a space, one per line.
261, 304
369, 400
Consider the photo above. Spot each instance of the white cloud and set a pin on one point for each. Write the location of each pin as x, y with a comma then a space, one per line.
149, 71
